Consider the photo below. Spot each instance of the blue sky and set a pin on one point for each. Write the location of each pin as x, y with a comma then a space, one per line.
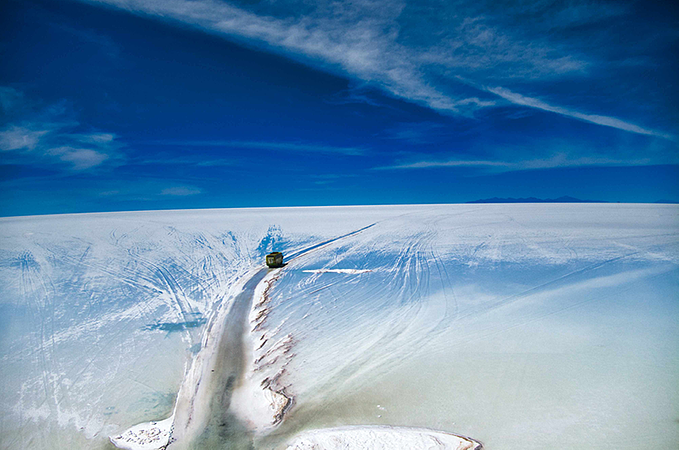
150, 104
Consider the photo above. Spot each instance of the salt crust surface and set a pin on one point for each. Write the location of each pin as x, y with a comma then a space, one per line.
380, 438
145, 436
96, 304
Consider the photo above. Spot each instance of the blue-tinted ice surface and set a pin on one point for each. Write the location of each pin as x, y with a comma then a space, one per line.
522, 326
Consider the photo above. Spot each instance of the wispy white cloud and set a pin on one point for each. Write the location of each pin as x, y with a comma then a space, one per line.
47, 136
368, 40
418, 50
429, 164
143, 189
607, 121
557, 160
266, 145
20, 138
190, 160
480, 48
325, 179
31, 144
356, 93
80, 158
95, 138
180, 191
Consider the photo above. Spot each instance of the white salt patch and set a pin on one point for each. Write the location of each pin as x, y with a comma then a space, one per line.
260, 408
380, 438
145, 436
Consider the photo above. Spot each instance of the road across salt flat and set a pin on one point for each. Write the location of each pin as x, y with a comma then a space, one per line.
205, 395
204, 400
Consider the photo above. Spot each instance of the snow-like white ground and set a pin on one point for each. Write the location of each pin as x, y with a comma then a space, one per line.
521, 326
380, 437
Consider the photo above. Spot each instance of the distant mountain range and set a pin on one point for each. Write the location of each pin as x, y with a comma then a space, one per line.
564, 199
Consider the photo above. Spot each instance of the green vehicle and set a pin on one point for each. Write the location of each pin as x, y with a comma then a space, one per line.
274, 259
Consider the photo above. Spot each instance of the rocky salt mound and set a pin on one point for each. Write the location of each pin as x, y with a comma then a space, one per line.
380, 438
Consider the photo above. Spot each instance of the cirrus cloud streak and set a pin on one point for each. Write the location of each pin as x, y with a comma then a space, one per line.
417, 52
